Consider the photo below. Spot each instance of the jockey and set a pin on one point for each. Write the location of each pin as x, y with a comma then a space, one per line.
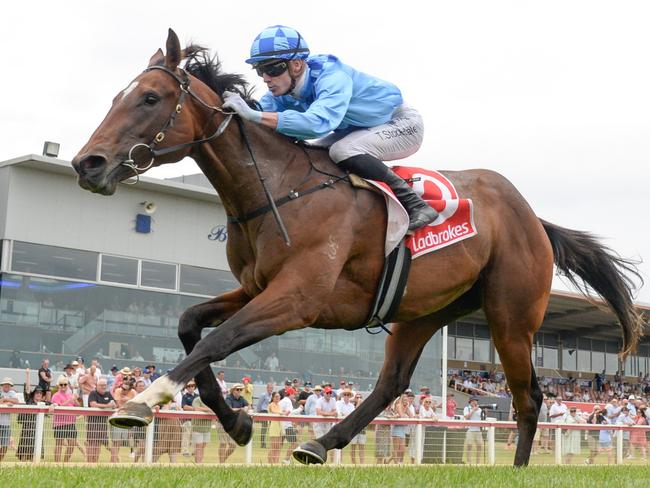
361, 119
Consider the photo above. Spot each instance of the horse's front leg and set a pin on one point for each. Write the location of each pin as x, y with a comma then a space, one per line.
275, 311
192, 322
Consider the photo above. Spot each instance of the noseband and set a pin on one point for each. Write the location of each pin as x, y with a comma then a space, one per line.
184, 83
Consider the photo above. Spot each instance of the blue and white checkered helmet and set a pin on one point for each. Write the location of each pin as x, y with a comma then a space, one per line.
278, 42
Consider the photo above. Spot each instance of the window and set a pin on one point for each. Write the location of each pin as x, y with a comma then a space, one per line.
481, 350
464, 348
584, 360
550, 357
451, 346
54, 261
204, 281
119, 270
158, 275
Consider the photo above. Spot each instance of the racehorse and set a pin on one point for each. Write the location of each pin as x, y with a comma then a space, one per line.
327, 277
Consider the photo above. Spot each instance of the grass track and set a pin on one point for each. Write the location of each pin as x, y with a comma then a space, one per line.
325, 476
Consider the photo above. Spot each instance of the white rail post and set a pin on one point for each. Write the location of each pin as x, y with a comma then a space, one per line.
558, 445
619, 446
444, 446
419, 440
38, 436
248, 453
491, 446
148, 443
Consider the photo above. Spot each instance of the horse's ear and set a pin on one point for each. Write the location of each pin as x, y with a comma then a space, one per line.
157, 59
173, 55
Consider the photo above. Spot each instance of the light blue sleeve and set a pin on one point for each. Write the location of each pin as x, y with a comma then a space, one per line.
269, 103
333, 94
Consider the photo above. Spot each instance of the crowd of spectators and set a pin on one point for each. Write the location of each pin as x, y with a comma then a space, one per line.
89, 386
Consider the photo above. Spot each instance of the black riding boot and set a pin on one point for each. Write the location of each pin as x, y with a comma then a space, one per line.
367, 166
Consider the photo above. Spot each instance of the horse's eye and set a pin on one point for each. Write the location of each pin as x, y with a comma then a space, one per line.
151, 99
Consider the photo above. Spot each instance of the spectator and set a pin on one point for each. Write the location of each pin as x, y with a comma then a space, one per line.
325, 407
201, 429
382, 438
289, 428
358, 442
122, 394
596, 417
248, 389
605, 438
451, 405
153, 373
88, 382
542, 435
146, 377
45, 378
237, 402
64, 426
138, 434
96, 425
558, 411
25, 450
275, 429
8, 398
263, 407
310, 403
474, 436
571, 441
638, 437
167, 435
221, 381
613, 410
398, 431
345, 407
624, 418
187, 399
110, 378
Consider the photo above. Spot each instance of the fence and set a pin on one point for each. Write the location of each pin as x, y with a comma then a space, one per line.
82, 435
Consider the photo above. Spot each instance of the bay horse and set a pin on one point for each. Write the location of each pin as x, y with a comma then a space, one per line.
327, 277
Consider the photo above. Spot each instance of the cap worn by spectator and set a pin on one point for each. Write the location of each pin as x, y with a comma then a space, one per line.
68, 366
308, 384
318, 388
236, 386
287, 383
39, 388
75, 363
327, 389
290, 391
7, 381
631, 397
408, 390
114, 368
126, 371
246, 379
473, 399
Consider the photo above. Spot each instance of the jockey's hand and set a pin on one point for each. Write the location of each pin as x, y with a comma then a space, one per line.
234, 101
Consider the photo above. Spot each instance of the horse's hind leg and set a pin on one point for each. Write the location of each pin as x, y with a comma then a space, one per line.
192, 322
403, 349
514, 317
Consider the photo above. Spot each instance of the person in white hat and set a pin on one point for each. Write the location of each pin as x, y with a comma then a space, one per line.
8, 397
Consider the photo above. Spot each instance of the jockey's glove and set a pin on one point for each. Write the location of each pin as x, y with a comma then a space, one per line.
234, 101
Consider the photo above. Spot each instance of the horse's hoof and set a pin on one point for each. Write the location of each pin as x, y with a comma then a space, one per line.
242, 431
131, 415
311, 452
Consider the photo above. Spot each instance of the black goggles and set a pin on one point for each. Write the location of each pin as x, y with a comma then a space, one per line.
272, 69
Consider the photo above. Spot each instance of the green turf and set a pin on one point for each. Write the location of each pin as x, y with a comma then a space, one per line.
319, 476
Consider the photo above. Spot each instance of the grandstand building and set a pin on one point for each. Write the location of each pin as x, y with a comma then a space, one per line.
89, 275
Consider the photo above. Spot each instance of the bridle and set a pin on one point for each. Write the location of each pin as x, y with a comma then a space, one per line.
184, 83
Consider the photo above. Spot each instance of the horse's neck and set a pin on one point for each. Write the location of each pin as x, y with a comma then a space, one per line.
228, 164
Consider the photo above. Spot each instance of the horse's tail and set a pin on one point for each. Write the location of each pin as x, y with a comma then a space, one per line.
590, 265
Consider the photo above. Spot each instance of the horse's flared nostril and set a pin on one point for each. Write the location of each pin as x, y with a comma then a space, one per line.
90, 163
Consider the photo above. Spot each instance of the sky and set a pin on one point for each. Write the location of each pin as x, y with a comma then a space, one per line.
554, 95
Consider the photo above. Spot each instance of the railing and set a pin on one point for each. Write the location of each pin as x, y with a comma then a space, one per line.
190, 437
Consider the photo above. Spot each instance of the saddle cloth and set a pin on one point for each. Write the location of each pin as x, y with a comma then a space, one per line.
454, 224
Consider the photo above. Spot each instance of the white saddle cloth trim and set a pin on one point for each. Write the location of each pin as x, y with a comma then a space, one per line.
397, 224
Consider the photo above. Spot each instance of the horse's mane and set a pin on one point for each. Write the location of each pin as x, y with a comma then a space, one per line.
207, 68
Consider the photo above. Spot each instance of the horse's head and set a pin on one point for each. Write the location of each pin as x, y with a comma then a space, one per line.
125, 144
